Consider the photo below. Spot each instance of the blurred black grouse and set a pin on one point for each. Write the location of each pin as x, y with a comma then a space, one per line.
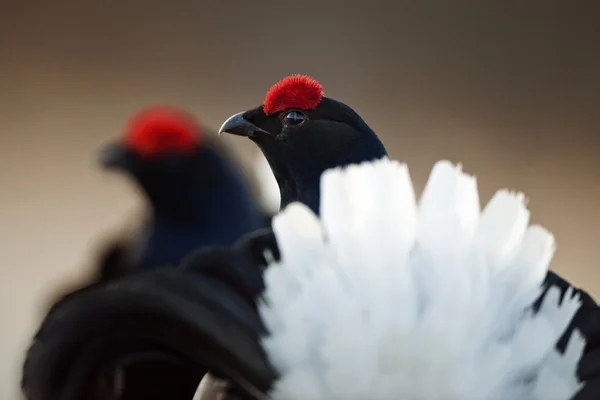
198, 198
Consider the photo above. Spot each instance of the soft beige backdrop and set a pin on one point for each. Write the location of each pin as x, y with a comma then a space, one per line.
511, 91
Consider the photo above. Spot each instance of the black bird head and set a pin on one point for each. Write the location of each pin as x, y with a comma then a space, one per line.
197, 193
158, 141
302, 133
182, 172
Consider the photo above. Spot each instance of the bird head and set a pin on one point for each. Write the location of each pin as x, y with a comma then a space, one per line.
156, 140
302, 133
166, 153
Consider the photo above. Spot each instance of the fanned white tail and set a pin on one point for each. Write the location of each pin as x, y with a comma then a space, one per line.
388, 298
268, 189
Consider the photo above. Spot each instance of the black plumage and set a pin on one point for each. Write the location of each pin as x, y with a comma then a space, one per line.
198, 198
201, 315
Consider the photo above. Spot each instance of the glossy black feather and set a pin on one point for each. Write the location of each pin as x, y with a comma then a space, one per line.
587, 321
191, 315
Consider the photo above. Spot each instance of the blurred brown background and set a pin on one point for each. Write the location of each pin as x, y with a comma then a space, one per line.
511, 90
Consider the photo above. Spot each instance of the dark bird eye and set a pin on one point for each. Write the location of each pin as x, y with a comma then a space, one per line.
294, 118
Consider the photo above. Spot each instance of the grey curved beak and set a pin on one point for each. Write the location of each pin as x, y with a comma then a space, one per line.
238, 125
114, 155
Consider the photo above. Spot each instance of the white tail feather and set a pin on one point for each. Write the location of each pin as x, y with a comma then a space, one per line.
384, 299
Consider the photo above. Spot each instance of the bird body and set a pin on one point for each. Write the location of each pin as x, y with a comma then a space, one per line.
207, 204
302, 133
